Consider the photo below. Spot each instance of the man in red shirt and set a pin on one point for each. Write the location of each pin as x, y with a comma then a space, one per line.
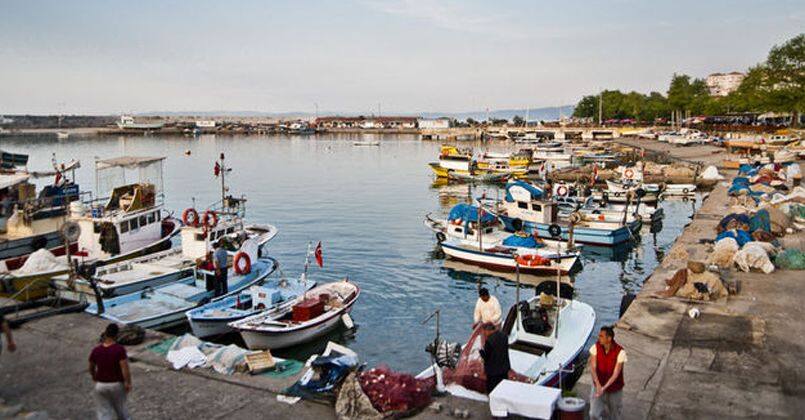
606, 367
109, 368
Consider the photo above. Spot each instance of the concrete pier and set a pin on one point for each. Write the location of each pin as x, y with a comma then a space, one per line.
740, 358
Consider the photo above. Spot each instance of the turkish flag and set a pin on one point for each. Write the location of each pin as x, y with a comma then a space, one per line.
217, 169
319, 258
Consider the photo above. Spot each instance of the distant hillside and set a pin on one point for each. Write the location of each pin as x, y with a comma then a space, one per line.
535, 114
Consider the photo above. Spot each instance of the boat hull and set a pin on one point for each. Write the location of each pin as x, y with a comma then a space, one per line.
582, 235
498, 262
263, 340
211, 327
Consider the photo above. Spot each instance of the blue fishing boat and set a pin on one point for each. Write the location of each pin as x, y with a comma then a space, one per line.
524, 209
165, 306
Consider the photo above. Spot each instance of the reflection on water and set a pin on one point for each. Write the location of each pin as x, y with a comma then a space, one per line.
367, 206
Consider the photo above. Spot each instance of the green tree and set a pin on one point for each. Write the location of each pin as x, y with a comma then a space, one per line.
784, 81
587, 107
518, 121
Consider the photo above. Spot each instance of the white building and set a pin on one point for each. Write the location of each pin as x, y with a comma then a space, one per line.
722, 84
205, 124
426, 123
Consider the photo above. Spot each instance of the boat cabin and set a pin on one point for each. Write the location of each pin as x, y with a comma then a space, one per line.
524, 201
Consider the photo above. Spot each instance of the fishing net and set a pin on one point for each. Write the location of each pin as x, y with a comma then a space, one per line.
394, 392
469, 373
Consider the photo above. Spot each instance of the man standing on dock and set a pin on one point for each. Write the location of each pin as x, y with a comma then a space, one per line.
219, 258
606, 366
487, 309
109, 368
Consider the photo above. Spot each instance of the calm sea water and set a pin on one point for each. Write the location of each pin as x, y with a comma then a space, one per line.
366, 205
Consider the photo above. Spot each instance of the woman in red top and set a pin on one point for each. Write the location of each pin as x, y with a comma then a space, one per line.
109, 368
606, 367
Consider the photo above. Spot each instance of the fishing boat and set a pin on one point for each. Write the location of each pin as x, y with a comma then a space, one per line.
525, 208
274, 299
130, 223
546, 339
488, 177
127, 122
557, 159
165, 306
515, 164
62, 135
317, 312
366, 143
621, 192
453, 160
679, 189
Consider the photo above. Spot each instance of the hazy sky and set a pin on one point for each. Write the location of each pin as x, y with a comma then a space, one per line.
349, 55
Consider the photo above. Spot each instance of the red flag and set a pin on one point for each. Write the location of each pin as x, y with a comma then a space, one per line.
319, 257
217, 169
58, 179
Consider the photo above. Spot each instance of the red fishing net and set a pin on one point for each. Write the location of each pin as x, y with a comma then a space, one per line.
391, 391
469, 372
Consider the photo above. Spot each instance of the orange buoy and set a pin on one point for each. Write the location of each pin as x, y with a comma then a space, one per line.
190, 217
210, 219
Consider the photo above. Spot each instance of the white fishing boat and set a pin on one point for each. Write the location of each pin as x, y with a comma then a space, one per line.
679, 189
62, 135
546, 344
687, 137
275, 298
319, 311
366, 143
165, 306
525, 208
131, 222
127, 122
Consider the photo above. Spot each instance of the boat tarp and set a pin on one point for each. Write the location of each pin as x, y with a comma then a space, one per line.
11, 160
469, 213
534, 191
521, 241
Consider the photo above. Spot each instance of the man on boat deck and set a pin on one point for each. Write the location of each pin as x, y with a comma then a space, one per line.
219, 258
487, 309
606, 367
496, 356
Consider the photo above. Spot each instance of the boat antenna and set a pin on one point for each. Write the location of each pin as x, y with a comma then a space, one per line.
223, 181
437, 313
307, 263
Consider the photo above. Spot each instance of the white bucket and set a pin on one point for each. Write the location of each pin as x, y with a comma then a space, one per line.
77, 209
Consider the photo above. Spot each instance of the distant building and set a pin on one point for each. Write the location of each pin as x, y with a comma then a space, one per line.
205, 124
4, 120
722, 84
427, 123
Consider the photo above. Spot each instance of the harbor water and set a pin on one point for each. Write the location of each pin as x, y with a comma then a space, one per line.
366, 205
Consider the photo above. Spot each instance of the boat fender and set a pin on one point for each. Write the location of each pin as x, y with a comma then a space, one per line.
242, 263
440, 237
210, 219
555, 230
190, 217
517, 224
685, 191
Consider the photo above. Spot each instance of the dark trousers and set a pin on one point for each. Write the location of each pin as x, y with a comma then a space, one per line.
221, 283
493, 381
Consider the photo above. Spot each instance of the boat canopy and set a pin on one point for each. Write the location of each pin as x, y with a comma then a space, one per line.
128, 162
469, 213
522, 241
120, 171
531, 189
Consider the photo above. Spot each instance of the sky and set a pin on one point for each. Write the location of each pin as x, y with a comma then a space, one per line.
401, 56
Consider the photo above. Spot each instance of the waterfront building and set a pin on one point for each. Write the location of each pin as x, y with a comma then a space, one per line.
367, 122
434, 123
722, 84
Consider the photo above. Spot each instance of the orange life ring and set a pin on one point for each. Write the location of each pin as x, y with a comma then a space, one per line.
561, 190
532, 260
601, 217
628, 173
190, 217
242, 258
210, 219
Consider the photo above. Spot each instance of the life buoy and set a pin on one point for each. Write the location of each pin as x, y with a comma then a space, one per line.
210, 219
629, 174
685, 191
190, 217
242, 263
440, 237
532, 260
561, 190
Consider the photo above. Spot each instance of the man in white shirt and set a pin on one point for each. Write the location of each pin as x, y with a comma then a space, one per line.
487, 309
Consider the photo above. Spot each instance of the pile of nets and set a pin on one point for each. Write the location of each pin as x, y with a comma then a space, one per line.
394, 392
790, 259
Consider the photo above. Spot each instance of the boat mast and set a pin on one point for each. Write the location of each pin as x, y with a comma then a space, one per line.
223, 181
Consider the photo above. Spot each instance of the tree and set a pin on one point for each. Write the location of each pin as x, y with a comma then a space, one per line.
471, 122
518, 121
784, 81
587, 107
